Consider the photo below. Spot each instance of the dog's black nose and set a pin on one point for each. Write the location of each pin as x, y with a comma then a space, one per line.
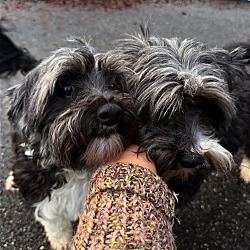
109, 114
190, 160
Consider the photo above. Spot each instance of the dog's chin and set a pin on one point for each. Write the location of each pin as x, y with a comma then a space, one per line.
180, 173
184, 173
102, 150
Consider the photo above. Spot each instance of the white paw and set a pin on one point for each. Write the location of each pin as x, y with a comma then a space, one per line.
59, 244
10, 183
245, 170
55, 245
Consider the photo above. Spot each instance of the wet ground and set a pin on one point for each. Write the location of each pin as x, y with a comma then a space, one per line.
218, 217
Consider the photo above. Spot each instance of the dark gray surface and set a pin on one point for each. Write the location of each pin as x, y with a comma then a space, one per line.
219, 216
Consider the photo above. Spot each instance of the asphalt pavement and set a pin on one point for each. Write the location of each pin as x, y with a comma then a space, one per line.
219, 215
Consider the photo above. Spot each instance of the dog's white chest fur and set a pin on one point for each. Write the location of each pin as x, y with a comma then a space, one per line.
66, 201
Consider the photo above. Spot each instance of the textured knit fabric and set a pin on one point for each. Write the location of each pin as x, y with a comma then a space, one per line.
127, 207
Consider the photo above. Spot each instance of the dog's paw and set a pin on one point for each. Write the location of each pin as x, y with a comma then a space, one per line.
59, 244
245, 170
10, 183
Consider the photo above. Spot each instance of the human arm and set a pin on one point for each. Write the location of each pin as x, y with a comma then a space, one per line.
127, 207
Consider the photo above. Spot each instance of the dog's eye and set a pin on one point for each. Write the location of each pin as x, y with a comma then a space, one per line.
112, 86
212, 113
118, 84
64, 90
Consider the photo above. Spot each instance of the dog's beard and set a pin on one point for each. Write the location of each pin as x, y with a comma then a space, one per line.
78, 140
103, 150
215, 157
166, 146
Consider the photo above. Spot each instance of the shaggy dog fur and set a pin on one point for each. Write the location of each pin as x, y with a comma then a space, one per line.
193, 105
72, 114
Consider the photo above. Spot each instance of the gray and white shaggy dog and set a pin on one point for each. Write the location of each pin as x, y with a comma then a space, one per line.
72, 114
194, 106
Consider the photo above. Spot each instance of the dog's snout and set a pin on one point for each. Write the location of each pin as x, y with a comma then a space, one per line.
190, 160
109, 114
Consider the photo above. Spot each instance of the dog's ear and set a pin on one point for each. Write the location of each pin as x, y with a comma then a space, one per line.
244, 49
18, 96
241, 54
35, 184
233, 65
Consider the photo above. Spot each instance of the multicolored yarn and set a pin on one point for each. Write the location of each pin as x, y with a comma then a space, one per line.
128, 207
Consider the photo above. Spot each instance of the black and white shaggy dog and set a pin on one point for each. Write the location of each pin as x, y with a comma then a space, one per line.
72, 114
193, 102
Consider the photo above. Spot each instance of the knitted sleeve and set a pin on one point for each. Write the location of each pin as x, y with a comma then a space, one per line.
127, 207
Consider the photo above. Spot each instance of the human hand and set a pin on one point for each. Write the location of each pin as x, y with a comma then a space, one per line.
130, 155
